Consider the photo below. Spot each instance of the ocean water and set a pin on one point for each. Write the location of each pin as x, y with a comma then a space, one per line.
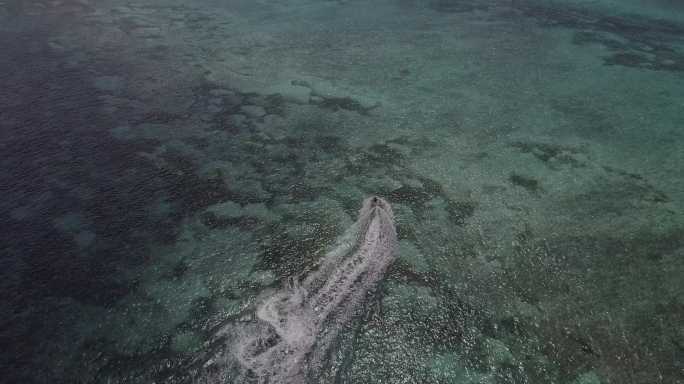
188, 191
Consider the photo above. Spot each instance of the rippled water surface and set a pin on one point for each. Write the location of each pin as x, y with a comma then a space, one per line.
183, 187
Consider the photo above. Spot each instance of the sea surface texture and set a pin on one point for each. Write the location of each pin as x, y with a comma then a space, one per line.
342, 191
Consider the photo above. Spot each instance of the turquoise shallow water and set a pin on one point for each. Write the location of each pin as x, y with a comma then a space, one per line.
170, 167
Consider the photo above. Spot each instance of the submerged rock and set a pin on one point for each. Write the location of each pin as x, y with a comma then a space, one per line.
587, 378
497, 354
293, 93
253, 110
186, 342
108, 83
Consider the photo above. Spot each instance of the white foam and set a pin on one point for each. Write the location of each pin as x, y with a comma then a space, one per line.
298, 323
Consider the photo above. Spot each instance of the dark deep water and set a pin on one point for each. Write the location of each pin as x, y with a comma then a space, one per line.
165, 164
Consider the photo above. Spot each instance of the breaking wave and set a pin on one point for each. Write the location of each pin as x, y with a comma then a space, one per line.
296, 326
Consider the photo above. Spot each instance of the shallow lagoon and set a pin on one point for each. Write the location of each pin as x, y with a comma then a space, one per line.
166, 164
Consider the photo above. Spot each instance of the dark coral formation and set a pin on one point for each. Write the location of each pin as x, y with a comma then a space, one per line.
635, 41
